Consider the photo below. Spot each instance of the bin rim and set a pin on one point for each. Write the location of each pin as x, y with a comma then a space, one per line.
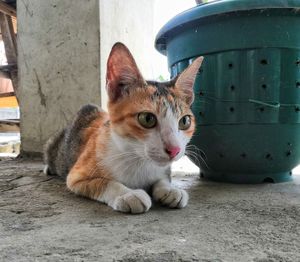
218, 7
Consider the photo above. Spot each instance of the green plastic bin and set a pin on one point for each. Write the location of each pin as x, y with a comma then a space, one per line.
247, 92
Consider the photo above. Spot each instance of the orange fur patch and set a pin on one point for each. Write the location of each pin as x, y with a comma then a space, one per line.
86, 177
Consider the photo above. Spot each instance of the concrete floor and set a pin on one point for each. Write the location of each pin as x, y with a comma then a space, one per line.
41, 221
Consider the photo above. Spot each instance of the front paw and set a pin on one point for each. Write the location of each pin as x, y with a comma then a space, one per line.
135, 201
172, 197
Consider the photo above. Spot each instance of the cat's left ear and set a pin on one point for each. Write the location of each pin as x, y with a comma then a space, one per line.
122, 72
185, 81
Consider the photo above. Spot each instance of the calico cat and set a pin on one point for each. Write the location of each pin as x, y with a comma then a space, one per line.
119, 157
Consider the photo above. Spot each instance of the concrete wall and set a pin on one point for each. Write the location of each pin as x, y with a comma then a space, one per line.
164, 10
63, 49
59, 64
130, 22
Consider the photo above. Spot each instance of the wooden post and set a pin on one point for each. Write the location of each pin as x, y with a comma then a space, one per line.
10, 44
7, 9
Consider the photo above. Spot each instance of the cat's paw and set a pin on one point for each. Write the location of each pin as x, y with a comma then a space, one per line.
172, 197
135, 201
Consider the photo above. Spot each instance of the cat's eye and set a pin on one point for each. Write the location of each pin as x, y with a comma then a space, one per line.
147, 120
185, 122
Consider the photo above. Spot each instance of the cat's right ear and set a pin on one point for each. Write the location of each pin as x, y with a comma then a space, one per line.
122, 72
186, 80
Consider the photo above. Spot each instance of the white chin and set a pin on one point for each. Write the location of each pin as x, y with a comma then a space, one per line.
162, 163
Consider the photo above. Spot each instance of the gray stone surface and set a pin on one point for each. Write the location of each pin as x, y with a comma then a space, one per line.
41, 221
63, 47
59, 64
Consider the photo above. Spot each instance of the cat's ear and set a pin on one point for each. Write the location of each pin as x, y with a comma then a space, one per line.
122, 72
186, 80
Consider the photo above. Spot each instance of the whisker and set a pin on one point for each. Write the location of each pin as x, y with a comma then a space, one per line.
195, 156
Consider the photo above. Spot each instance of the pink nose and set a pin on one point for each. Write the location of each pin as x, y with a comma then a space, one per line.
172, 151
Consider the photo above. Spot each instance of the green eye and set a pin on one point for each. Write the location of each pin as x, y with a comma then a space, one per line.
185, 122
147, 120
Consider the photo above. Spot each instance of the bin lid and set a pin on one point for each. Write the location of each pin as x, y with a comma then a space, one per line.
215, 8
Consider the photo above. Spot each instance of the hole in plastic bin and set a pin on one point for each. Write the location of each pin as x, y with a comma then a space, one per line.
264, 86
230, 65
297, 109
288, 153
298, 84
201, 113
221, 155
264, 61
232, 88
298, 62
201, 93
269, 156
243, 155
261, 109
200, 70
268, 180
231, 109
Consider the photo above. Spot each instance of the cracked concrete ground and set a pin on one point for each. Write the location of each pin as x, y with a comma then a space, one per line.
41, 221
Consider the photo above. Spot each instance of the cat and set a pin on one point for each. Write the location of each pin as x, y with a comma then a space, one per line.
121, 157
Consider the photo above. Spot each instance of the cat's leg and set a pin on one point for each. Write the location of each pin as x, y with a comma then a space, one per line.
109, 191
168, 195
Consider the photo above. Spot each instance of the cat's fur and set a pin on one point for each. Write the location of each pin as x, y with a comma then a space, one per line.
112, 158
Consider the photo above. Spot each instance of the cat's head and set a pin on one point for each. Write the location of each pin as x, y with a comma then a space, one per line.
151, 119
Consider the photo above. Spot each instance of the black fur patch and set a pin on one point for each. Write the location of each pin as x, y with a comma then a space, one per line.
61, 151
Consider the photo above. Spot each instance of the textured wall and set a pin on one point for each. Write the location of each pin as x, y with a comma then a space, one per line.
130, 22
63, 46
58, 48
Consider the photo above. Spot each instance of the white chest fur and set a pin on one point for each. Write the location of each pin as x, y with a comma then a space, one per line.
132, 169
139, 175
134, 172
